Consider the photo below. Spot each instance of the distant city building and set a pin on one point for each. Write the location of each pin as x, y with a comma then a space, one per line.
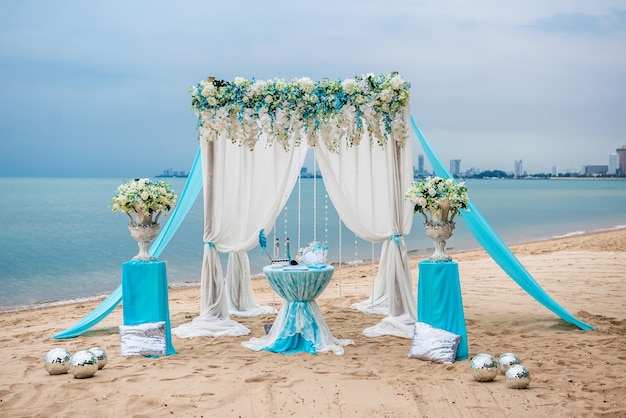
621, 152
596, 170
171, 173
518, 170
613, 164
420, 165
473, 171
555, 171
455, 167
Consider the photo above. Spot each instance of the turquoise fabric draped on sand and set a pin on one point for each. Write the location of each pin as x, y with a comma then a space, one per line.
145, 296
439, 300
187, 198
496, 248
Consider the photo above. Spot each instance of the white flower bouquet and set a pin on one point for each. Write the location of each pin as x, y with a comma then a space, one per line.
144, 197
437, 195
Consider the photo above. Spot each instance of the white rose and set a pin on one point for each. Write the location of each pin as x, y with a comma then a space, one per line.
208, 90
145, 195
258, 87
269, 99
449, 182
239, 81
212, 101
123, 200
306, 84
396, 82
421, 201
349, 85
432, 192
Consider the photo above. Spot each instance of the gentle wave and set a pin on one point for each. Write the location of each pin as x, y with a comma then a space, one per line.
73, 250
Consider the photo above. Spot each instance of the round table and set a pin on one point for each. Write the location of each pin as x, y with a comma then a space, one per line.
300, 325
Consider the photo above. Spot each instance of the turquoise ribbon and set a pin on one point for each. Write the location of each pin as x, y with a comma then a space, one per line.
395, 238
210, 244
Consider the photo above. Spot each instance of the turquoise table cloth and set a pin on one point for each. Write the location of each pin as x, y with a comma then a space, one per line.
300, 325
144, 296
439, 301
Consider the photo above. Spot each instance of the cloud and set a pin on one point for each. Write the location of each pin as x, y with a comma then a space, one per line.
86, 86
583, 23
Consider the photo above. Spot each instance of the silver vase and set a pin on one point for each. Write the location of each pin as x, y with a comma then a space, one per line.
439, 228
143, 229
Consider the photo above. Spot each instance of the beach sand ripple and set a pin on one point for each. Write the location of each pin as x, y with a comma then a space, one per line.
573, 372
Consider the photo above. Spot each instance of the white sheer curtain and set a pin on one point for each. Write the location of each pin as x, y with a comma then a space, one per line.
366, 184
244, 191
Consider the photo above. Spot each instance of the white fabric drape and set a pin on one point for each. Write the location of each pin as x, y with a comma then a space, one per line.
241, 300
366, 184
244, 191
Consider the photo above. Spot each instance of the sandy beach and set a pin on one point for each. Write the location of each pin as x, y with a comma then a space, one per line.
574, 373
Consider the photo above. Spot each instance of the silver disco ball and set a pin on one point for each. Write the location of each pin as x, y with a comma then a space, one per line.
517, 377
83, 364
57, 361
506, 360
484, 367
101, 355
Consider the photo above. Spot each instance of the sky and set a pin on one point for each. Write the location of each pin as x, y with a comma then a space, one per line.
93, 89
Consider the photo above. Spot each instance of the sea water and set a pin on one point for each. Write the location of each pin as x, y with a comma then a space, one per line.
60, 241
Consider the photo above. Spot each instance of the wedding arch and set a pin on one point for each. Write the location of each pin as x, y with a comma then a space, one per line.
253, 136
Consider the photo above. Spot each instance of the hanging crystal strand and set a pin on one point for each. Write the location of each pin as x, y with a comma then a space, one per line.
299, 210
275, 242
299, 206
314, 198
325, 246
285, 235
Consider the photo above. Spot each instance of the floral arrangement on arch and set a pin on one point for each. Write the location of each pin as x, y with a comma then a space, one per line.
334, 111
144, 197
438, 194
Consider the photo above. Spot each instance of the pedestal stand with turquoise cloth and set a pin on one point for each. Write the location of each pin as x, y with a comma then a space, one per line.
300, 325
439, 301
145, 296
